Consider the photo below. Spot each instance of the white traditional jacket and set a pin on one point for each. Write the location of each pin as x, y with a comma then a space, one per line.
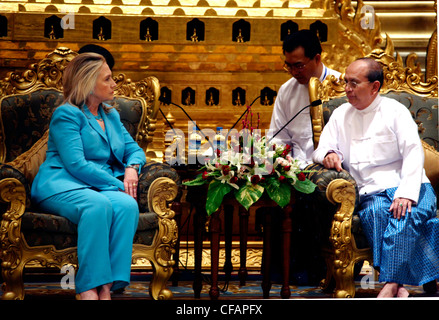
379, 146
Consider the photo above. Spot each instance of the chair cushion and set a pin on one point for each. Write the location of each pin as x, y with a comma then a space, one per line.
424, 111
130, 111
29, 162
357, 230
26, 117
331, 105
45, 229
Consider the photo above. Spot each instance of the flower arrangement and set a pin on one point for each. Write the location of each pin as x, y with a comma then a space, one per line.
250, 166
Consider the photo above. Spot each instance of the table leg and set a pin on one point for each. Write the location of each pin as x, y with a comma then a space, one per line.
198, 222
286, 243
243, 236
266, 255
215, 228
228, 232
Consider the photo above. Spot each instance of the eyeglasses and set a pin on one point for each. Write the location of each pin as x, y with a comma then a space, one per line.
353, 84
297, 66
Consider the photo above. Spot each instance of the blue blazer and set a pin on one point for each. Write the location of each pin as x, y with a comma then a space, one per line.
79, 151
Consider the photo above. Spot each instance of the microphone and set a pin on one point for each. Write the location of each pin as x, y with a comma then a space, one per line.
315, 103
167, 101
246, 110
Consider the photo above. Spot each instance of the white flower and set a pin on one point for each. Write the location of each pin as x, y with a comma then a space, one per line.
210, 166
283, 162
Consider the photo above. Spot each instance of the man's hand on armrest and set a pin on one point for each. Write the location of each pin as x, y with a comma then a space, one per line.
332, 161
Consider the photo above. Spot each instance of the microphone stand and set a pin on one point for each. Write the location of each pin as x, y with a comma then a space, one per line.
313, 104
187, 115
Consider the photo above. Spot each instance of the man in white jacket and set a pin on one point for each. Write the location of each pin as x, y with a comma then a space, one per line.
376, 140
302, 59
302, 51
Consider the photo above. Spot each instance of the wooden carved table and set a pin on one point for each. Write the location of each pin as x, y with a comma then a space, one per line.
226, 210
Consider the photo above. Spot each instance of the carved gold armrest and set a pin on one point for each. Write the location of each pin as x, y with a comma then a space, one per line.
150, 172
341, 192
161, 193
13, 193
160, 196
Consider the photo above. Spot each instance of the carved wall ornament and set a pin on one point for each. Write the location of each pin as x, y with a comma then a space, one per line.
52, 28
102, 29
44, 74
288, 28
400, 78
3, 26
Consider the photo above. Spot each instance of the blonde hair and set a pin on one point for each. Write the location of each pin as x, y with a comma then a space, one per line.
80, 76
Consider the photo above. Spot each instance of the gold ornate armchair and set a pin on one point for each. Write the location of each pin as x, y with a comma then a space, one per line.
347, 244
27, 101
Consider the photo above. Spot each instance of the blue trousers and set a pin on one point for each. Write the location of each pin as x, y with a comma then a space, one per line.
107, 222
405, 251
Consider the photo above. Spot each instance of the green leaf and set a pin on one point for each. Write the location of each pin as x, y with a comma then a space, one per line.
198, 181
249, 194
278, 192
306, 186
215, 195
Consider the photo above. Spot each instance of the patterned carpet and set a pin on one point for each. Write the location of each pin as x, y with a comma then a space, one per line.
235, 302
138, 290
45, 287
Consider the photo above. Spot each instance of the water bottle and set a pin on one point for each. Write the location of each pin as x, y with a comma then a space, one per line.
194, 145
219, 142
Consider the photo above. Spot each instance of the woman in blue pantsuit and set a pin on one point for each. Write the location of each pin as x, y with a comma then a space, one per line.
90, 177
